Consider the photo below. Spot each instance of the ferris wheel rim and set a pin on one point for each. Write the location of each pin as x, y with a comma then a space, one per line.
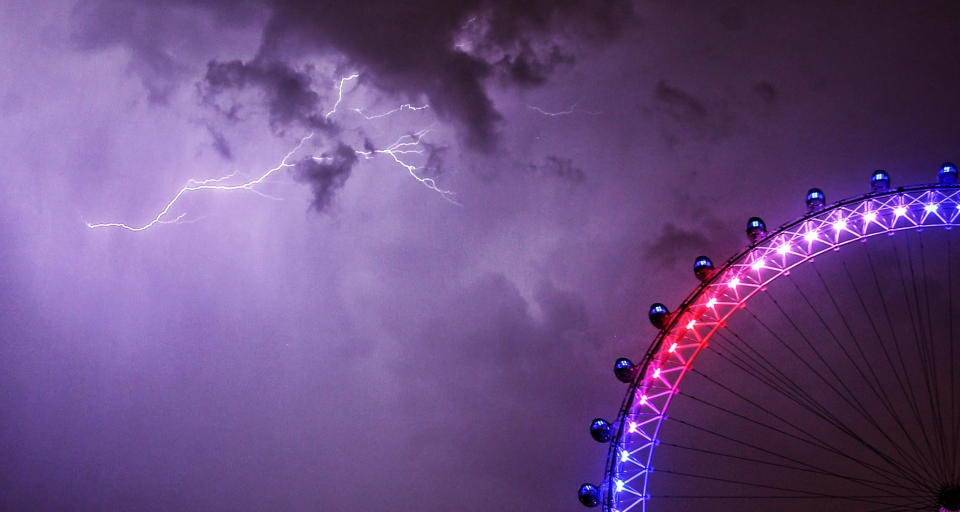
685, 318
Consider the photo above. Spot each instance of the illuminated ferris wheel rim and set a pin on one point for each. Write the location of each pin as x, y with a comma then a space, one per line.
728, 288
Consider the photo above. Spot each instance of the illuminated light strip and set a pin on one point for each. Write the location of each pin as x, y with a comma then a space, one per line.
721, 298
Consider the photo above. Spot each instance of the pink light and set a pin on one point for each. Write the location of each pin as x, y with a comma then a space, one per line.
656, 373
690, 324
672, 348
840, 225
734, 282
643, 399
757, 265
783, 249
712, 302
811, 236
900, 211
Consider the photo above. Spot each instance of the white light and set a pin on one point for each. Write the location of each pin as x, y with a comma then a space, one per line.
633, 427
643, 399
734, 282
619, 485
811, 235
869, 217
712, 302
691, 323
656, 373
900, 211
672, 348
757, 265
930, 208
783, 249
624, 455
840, 225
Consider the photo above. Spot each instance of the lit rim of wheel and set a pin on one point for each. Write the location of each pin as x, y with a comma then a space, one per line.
706, 309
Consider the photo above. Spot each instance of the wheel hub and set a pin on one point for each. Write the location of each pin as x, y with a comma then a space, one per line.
949, 497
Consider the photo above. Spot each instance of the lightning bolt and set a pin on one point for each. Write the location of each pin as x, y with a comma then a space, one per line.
194, 185
405, 106
406, 145
340, 94
572, 109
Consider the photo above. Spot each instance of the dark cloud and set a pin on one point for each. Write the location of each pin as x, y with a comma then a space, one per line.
678, 103
287, 92
560, 167
442, 50
766, 92
220, 143
326, 173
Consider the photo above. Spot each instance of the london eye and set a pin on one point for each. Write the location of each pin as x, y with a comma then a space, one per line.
817, 369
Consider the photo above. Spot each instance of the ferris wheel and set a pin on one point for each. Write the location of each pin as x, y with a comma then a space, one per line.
818, 369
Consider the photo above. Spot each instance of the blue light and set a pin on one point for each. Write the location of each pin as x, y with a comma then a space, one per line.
880, 181
589, 495
947, 174
624, 369
600, 430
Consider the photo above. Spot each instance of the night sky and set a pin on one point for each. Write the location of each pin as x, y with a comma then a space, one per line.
352, 338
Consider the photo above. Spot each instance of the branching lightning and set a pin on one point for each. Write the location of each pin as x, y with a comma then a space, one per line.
340, 94
208, 184
571, 110
405, 106
411, 144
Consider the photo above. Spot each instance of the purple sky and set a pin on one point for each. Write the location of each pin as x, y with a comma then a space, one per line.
363, 343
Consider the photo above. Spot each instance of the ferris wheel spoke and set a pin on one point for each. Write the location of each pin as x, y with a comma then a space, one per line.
850, 398
931, 337
952, 341
912, 399
895, 480
811, 405
769, 376
926, 361
813, 494
920, 466
887, 399
873, 484
810, 439
843, 427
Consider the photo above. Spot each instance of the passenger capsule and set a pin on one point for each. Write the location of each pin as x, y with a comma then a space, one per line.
815, 200
756, 229
703, 268
589, 495
659, 315
624, 369
947, 174
880, 181
600, 430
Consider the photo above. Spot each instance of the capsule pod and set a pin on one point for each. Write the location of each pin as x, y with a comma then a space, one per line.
659, 315
815, 200
600, 430
703, 268
589, 495
624, 369
756, 229
947, 174
880, 181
